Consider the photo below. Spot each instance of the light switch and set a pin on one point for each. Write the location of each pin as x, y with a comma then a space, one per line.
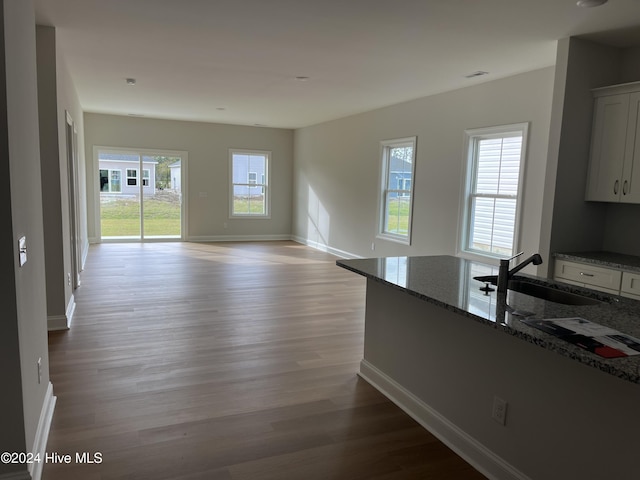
22, 253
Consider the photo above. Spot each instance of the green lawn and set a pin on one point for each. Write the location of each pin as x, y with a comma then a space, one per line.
120, 217
398, 215
244, 205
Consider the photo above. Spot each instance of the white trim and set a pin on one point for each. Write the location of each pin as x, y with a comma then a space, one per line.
266, 185
184, 213
385, 170
85, 253
324, 248
238, 238
468, 168
57, 322
62, 322
467, 447
21, 475
42, 432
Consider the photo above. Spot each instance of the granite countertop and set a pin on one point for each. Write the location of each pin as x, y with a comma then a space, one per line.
448, 282
618, 261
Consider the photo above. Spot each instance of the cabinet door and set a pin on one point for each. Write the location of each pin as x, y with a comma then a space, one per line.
631, 173
608, 148
631, 284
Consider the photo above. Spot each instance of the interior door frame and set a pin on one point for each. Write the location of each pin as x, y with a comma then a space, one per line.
71, 136
184, 156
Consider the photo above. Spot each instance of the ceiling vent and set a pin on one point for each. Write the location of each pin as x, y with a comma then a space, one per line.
479, 73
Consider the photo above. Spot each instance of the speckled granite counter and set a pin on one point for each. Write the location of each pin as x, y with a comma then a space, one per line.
448, 282
618, 261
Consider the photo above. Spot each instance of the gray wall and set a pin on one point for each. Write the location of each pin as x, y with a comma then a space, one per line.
622, 224
208, 147
337, 166
571, 224
582, 65
56, 96
24, 330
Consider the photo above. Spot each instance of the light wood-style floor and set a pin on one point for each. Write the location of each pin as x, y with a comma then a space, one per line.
226, 361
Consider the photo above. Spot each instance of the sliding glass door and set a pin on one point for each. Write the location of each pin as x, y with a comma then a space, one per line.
140, 194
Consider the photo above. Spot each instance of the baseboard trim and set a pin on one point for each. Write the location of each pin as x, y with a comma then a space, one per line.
62, 322
237, 238
323, 248
467, 447
57, 322
21, 475
42, 432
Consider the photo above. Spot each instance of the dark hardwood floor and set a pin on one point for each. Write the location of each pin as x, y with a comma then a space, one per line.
226, 361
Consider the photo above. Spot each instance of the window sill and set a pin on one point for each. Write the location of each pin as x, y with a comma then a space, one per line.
394, 238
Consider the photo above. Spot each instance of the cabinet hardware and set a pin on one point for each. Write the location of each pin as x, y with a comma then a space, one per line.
587, 274
615, 187
624, 187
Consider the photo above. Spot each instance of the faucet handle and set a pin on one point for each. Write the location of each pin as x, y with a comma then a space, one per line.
515, 256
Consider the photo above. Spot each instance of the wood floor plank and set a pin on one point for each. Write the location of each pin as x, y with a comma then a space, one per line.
226, 361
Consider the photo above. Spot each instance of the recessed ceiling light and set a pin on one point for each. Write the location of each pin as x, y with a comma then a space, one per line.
479, 73
590, 3
302, 78
131, 81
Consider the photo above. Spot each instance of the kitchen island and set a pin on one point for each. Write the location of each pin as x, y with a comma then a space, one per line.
443, 350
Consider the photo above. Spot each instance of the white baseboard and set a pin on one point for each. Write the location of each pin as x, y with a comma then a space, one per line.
62, 322
57, 322
21, 475
238, 238
467, 447
324, 248
42, 432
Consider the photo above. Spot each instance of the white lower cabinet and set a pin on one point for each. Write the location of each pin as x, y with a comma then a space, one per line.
630, 285
589, 276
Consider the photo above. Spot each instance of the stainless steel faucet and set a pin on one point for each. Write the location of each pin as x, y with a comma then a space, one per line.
504, 274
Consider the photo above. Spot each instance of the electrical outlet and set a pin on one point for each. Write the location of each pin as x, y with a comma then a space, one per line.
225, 224
499, 411
39, 370
69, 279
373, 246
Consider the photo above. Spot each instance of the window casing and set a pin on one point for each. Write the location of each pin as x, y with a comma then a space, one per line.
132, 177
396, 194
249, 198
495, 159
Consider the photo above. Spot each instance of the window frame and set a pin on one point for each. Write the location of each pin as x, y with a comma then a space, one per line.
385, 171
472, 136
133, 177
146, 177
264, 186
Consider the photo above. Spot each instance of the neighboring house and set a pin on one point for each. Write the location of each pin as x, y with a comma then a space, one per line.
120, 174
176, 175
247, 170
399, 176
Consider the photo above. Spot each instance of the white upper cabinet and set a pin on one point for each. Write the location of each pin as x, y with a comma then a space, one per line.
614, 168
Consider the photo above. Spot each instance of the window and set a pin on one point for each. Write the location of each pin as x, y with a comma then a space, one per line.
132, 177
248, 197
398, 167
146, 175
110, 180
495, 160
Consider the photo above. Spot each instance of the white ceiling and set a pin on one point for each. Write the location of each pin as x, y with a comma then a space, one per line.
235, 61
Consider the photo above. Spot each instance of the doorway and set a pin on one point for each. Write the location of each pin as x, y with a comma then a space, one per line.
141, 194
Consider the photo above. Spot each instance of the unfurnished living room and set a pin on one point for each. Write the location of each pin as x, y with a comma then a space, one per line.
274, 239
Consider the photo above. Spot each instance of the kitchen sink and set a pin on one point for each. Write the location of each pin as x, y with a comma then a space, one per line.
550, 294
